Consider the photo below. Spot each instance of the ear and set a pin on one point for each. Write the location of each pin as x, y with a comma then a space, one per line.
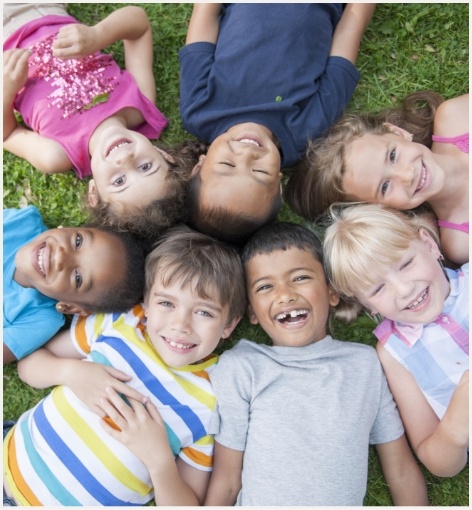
432, 245
333, 296
71, 308
251, 315
230, 327
165, 155
92, 194
397, 130
196, 169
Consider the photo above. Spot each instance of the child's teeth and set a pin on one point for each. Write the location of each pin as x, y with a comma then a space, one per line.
179, 346
293, 313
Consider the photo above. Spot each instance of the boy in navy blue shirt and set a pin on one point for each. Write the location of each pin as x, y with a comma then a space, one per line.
258, 81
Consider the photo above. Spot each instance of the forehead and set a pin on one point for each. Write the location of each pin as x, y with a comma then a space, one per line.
281, 263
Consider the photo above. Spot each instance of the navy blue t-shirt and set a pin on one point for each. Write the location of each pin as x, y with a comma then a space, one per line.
271, 66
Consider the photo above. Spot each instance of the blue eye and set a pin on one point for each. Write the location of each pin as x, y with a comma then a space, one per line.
204, 313
78, 241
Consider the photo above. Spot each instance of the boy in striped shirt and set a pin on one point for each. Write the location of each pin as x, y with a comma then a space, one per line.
65, 450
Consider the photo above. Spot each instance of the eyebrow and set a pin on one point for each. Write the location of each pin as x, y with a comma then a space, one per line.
202, 302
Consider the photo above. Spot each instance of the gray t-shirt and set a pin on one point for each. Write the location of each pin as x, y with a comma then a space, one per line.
304, 417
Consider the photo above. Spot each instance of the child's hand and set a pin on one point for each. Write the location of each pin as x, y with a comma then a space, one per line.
76, 41
142, 429
89, 380
460, 401
15, 70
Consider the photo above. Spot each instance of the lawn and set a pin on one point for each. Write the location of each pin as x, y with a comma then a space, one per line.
407, 47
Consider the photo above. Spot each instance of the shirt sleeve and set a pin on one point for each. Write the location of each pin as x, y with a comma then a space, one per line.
231, 383
196, 62
388, 425
85, 329
200, 454
31, 332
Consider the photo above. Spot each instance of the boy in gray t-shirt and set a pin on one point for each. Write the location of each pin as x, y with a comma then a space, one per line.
295, 419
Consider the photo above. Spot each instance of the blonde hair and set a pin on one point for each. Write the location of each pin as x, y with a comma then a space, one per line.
316, 182
361, 240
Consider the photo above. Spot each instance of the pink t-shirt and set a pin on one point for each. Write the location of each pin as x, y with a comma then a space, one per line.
65, 100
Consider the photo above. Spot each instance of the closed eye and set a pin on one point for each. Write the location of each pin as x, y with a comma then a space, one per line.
377, 290
260, 171
227, 164
407, 263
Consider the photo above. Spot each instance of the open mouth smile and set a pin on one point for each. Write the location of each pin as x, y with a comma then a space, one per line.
292, 317
178, 346
418, 300
249, 141
422, 179
116, 146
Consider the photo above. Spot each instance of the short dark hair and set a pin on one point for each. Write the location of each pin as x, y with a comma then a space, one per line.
129, 290
196, 258
232, 227
282, 235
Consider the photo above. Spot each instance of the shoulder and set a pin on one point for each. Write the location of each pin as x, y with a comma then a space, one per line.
452, 117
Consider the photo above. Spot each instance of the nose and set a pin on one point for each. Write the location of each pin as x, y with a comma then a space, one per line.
405, 173
181, 322
60, 258
285, 294
126, 155
402, 287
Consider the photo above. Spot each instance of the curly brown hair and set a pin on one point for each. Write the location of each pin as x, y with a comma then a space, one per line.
152, 219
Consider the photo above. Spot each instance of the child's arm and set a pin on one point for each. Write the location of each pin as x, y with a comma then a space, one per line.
59, 362
441, 445
204, 24
129, 24
43, 153
349, 30
452, 117
142, 430
402, 473
225, 481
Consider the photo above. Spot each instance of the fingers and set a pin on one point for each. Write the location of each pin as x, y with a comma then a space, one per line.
15, 58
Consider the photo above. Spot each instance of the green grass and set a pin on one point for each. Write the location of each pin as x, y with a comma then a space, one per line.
407, 47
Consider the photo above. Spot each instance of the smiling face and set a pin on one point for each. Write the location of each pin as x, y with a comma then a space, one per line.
71, 265
392, 170
184, 327
289, 296
241, 171
413, 290
127, 168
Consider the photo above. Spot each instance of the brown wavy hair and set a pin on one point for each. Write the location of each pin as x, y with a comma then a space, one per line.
316, 182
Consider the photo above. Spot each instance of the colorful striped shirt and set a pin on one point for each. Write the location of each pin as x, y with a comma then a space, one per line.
437, 354
58, 454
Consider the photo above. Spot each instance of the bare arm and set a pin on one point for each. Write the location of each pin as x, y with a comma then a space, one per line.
204, 24
129, 24
143, 431
402, 473
349, 30
452, 117
225, 481
58, 362
441, 445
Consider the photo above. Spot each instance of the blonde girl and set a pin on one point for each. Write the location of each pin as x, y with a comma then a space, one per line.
389, 263
401, 158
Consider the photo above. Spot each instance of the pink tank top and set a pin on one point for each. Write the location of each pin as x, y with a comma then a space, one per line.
462, 143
